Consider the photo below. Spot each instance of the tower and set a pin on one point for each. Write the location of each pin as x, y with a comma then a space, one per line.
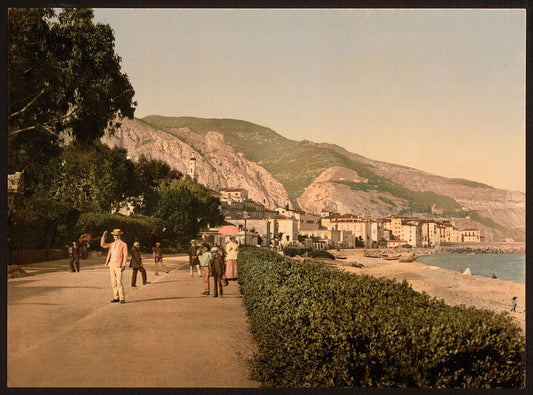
192, 168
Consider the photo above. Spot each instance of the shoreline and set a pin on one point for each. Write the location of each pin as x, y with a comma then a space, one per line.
458, 253
452, 287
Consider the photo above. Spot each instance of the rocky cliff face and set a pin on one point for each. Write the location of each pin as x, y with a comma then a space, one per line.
217, 164
506, 208
332, 191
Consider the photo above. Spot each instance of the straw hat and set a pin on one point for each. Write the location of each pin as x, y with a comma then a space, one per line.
116, 232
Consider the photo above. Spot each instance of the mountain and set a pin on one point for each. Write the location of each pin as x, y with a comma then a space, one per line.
278, 171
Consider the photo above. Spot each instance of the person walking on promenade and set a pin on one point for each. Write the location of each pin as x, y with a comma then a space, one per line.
158, 258
232, 251
205, 262
193, 259
84, 245
137, 264
74, 257
513, 303
217, 269
117, 257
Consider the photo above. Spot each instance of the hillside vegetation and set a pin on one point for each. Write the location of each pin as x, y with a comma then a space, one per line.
297, 164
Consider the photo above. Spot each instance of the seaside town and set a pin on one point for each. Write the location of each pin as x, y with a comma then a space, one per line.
284, 226
155, 251
280, 227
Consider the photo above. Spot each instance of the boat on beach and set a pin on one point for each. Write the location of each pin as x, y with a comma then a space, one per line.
390, 257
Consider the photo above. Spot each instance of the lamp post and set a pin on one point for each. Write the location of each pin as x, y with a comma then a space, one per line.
245, 216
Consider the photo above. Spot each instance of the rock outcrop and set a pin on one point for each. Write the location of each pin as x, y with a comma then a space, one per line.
332, 191
506, 208
217, 164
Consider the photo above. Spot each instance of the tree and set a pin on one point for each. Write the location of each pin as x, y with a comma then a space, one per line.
150, 172
63, 76
186, 206
179, 208
42, 224
94, 177
149, 175
209, 210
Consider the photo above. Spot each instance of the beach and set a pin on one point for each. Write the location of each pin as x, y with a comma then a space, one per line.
452, 287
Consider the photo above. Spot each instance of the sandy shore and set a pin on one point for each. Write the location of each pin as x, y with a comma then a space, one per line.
452, 287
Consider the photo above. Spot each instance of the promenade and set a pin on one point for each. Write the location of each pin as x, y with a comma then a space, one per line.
62, 330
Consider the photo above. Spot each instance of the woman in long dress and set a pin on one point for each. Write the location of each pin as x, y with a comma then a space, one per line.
232, 251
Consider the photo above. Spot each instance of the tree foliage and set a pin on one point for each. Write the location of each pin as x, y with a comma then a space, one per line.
150, 172
94, 177
65, 80
186, 207
63, 76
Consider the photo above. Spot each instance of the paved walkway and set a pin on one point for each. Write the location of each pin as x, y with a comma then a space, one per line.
62, 330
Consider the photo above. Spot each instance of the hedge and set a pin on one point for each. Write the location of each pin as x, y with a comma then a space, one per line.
317, 327
293, 251
144, 228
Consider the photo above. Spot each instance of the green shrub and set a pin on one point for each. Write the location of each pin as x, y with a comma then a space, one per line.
144, 228
321, 254
293, 251
317, 327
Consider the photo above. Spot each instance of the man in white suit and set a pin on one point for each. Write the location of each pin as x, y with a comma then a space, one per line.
117, 258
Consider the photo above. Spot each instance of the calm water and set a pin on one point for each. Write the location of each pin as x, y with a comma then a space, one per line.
508, 267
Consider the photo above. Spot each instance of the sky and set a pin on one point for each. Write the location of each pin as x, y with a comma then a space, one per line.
442, 91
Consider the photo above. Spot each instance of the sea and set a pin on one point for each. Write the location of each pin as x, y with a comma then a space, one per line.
507, 267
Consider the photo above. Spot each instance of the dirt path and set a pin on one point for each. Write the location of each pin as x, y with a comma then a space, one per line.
452, 287
63, 331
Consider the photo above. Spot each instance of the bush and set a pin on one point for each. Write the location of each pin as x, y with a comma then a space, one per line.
317, 327
321, 254
144, 228
293, 251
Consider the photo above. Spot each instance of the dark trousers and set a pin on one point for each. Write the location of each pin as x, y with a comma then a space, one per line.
217, 284
134, 275
75, 260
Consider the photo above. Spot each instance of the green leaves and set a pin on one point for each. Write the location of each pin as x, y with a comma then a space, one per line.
186, 206
321, 328
64, 74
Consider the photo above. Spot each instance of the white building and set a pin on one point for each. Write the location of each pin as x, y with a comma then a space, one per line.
306, 221
471, 236
287, 228
429, 233
191, 172
410, 232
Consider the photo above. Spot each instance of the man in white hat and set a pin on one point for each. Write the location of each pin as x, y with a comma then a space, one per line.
117, 258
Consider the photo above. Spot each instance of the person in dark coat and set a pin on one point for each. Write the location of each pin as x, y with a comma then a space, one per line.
193, 259
217, 269
75, 257
137, 264
84, 245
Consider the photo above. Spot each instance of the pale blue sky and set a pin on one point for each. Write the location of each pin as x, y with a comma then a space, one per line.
442, 91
